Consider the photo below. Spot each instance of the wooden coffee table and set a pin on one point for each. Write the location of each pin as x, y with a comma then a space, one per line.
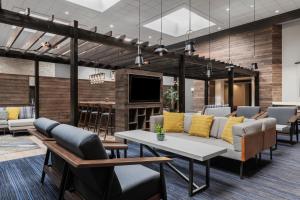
191, 150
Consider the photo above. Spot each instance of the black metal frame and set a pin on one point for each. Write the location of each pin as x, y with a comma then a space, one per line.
193, 188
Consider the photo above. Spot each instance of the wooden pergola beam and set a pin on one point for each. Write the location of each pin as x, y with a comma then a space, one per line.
74, 76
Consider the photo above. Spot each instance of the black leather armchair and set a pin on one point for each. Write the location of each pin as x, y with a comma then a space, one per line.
89, 174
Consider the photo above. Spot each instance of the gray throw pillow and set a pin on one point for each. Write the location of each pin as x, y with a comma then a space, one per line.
3, 115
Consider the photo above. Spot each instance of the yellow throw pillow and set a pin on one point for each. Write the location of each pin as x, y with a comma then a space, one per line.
173, 122
227, 132
201, 125
13, 113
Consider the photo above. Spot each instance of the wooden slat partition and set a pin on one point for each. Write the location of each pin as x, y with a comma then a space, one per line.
268, 56
14, 90
100, 92
55, 98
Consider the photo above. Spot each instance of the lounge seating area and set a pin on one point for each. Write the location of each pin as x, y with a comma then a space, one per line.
149, 100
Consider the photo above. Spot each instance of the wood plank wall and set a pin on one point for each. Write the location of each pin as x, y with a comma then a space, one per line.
268, 56
55, 96
14, 90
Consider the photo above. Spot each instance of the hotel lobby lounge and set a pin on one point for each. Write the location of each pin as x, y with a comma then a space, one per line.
149, 100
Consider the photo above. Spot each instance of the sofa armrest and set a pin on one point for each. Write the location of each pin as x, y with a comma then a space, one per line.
251, 145
243, 129
157, 119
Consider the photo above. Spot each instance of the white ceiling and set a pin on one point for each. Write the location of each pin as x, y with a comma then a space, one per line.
124, 15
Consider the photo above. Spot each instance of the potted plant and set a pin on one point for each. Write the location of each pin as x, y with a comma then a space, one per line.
160, 133
171, 98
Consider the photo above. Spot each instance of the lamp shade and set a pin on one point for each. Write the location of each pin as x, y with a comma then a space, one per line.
189, 48
139, 60
161, 50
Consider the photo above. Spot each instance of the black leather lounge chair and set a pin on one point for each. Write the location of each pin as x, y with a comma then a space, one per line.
89, 174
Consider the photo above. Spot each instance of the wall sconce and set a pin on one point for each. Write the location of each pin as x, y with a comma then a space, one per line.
192, 90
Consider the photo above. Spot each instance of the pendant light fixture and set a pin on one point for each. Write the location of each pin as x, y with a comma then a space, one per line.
209, 64
189, 44
161, 50
254, 65
229, 62
139, 60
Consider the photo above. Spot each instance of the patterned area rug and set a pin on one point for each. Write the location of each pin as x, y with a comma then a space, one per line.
9, 144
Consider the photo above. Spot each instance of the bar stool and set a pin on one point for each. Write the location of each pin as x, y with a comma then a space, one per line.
95, 112
83, 112
106, 122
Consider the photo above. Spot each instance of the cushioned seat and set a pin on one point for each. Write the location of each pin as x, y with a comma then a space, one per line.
137, 182
3, 122
128, 182
20, 124
283, 128
44, 125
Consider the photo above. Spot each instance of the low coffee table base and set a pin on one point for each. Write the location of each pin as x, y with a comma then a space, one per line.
193, 187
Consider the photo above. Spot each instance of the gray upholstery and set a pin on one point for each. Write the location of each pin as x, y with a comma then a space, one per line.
157, 119
242, 129
44, 125
282, 114
247, 111
218, 112
128, 182
3, 115
218, 126
137, 182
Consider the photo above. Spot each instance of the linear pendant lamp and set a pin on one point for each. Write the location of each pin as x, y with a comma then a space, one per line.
254, 65
229, 62
189, 44
209, 64
139, 60
161, 49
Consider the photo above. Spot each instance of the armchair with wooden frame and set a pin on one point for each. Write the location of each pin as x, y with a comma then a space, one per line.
287, 121
89, 174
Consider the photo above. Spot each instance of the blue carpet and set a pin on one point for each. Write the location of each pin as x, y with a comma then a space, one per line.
277, 179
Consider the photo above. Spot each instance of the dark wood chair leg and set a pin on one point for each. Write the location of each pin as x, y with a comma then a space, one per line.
46, 161
163, 182
271, 153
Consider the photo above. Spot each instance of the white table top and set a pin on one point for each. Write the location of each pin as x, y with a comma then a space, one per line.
190, 149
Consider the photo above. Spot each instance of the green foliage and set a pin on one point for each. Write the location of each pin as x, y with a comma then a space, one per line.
159, 129
171, 97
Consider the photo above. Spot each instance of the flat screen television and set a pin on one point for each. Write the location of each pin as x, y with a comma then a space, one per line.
144, 88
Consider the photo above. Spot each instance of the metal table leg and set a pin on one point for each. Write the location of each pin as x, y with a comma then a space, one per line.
193, 187
46, 161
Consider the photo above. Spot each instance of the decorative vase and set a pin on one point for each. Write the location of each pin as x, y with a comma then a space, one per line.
160, 137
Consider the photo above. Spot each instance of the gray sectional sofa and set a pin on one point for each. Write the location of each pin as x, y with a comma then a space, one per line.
24, 121
250, 138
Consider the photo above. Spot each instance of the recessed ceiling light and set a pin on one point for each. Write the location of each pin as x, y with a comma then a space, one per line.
149, 37
111, 26
98, 5
176, 23
219, 28
251, 6
227, 9
127, 39
67, 13
276, 11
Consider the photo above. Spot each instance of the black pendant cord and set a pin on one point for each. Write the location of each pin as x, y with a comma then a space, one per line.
190, 19
254, 35
139, 41
209, 38
229, 33
161, 16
